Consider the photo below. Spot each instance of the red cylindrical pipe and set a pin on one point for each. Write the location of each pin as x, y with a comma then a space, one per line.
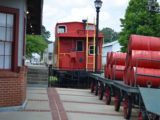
105, 71
128, 75
143, 77
107, 67
124, 76
139, 54
108, 57
115, 58
139, 42
117, 62
118, 72
109, 71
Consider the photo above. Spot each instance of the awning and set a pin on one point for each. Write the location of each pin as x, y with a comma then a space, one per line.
34, 16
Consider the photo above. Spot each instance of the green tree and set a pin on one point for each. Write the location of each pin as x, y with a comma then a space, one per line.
109, 35
46, 34
35, 44
138, 20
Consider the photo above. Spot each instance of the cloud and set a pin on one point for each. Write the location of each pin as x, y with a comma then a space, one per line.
77, 14
76, 10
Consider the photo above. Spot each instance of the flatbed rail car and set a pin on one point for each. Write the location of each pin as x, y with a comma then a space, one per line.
145, 99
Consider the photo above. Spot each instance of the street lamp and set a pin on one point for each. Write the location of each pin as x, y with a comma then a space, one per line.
98, 5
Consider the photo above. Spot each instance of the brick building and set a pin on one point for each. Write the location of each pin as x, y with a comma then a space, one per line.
16, 18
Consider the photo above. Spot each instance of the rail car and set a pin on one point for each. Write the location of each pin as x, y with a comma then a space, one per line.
74, 52
132, 78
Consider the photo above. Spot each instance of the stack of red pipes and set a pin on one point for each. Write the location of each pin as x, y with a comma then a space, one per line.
115, 65
142, 65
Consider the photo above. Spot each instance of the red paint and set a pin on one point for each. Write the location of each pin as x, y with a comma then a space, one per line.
115, 65
145, 81
141, 72
69, 57
139, 42
58, 111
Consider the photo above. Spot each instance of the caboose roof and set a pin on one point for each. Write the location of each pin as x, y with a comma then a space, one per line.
73, 22
76, 32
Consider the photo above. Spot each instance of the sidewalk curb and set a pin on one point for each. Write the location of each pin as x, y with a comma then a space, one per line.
14, 108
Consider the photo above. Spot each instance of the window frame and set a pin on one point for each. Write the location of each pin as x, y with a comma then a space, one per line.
62, 26
14, 60
50, 55
89, 26
82, 45
90, 49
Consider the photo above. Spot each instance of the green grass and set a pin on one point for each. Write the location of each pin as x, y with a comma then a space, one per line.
53, 78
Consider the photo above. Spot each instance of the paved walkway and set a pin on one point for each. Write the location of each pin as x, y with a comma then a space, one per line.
37, 107
63, 104
82, 105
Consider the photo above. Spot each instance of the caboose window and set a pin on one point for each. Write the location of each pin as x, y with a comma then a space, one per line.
91, 49
79, 45
61, 29
90, 27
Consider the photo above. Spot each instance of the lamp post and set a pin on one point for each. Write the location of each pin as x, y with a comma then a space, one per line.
98, 4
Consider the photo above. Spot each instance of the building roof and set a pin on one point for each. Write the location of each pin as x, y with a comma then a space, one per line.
34, 16
110, 44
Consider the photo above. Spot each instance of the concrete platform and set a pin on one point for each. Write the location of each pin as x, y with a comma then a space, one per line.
64, 104
37, 108
82, 105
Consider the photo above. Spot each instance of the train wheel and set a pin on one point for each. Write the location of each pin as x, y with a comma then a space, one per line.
108, 96
142, 116
127, 107
117, 101
100, 92
96, 89
92, 87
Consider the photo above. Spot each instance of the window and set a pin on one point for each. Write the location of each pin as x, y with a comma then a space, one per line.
61, 29
50, 56
80, 45
91, 49
90, 27
6, 40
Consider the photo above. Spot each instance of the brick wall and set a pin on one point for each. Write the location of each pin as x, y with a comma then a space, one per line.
12, 87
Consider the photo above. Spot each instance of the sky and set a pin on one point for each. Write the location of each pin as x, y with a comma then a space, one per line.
55, 11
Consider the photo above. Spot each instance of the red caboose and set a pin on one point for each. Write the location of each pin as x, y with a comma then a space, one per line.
74, 46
